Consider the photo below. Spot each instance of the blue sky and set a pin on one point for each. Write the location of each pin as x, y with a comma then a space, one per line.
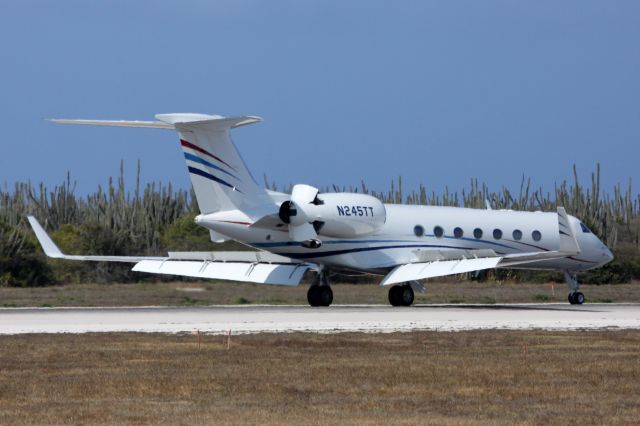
438, 92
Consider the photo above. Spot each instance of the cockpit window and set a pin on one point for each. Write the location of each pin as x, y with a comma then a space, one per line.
584, 228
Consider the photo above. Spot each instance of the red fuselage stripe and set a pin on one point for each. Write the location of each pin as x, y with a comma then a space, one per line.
236, 223
203, 151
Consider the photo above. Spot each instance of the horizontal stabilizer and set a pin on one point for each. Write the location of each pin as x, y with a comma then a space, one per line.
117, 123
168, 121
209, 121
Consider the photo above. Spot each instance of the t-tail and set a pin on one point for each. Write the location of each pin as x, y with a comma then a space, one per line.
220, 178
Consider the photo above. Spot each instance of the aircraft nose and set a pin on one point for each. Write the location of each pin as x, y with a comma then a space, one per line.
607, 255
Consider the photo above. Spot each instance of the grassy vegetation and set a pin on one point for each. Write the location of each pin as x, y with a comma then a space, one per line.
224, 293
498, 377
156, 218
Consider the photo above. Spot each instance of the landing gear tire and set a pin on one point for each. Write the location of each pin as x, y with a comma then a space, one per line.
320, 295
401, 295
576, 298
313, 295
394, 296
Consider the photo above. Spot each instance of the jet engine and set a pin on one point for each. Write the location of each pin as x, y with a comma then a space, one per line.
310, 214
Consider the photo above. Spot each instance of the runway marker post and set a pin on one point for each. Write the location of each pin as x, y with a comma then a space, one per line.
197, 333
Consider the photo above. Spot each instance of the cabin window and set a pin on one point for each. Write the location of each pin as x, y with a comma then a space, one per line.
584, 228
536, 235
517, 235
497, 234
438, 231
418, 230
477, 233
457, 232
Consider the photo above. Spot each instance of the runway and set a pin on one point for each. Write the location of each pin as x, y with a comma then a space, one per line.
365, 318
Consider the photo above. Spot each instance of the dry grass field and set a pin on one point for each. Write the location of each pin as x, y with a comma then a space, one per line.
216, 293
488, 377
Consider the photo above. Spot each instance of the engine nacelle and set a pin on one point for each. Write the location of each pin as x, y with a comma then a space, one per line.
338, 215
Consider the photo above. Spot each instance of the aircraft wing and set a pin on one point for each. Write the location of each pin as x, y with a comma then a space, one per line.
461, 261
245, 266
259, 272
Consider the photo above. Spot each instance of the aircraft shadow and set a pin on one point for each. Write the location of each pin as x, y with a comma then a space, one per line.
507, 307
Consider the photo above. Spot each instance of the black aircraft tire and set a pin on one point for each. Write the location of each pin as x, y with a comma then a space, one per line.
578, 298
570, 298
313, 295
325, 296
406, 295
395, 296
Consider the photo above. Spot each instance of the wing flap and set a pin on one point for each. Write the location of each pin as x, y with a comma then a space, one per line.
261, 273
419, 271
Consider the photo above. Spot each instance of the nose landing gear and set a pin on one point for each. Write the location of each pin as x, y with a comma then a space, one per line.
575, 297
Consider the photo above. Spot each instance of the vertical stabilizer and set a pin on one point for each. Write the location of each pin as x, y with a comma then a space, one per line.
220, 178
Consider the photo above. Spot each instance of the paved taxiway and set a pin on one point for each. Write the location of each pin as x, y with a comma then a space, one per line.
368, 318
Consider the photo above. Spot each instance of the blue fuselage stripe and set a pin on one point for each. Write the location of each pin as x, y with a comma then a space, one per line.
316, 254
288, 243
204, 162
211, 177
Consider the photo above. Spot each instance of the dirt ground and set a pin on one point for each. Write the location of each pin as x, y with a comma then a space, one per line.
215, 293
496, 377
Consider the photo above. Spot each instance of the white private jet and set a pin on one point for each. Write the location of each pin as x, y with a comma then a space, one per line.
343, 232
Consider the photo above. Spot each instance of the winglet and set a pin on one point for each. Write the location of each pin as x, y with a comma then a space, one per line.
50, 248
568, 242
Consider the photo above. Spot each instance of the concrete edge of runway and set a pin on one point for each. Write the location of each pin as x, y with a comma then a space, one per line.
333, 306
334, 319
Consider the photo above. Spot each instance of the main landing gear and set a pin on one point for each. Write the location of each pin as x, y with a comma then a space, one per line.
320, 293
575, 297
401, 295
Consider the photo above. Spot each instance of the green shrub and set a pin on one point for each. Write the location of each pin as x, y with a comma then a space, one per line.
21, 264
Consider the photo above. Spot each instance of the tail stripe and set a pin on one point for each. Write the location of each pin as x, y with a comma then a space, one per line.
204, 151
204, 162
211, 177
